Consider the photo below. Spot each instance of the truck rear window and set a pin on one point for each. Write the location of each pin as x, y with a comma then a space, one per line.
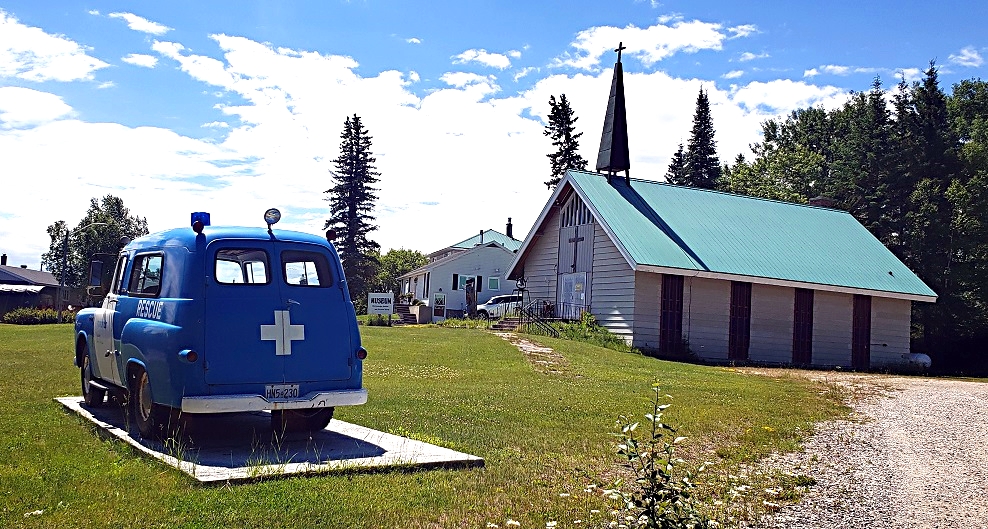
307, 269
241, 266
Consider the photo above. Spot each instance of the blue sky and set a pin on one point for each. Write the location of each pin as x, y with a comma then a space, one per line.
234, 107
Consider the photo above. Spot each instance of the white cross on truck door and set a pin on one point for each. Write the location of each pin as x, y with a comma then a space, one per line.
282, 332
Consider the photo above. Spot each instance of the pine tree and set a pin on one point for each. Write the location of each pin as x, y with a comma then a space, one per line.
702, 165
676, 174
562, 130
351, 202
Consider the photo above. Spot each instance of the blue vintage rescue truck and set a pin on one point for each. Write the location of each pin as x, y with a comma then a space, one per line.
209, 319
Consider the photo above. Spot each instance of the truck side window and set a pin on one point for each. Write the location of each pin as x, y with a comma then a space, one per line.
241, 266
307, 269
145, 279
119, 275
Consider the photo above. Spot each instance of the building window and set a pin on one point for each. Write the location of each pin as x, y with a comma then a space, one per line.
739, 338
802, 327
861, 332
493, 283
671, 315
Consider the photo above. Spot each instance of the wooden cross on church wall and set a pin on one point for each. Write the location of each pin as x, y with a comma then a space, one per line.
576, 239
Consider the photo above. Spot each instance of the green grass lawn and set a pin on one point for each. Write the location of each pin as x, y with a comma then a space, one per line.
541, 434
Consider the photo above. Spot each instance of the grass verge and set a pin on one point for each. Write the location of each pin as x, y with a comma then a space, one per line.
545, 438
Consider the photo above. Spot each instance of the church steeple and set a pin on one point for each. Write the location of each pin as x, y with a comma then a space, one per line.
613, 154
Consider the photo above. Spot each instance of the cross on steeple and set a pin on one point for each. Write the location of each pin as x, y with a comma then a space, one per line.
620, 47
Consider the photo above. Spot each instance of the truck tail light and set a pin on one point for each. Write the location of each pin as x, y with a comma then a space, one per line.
361, 353
188, 355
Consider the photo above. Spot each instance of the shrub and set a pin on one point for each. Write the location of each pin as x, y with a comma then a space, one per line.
659, 499
587, 330
464, 323
34, 316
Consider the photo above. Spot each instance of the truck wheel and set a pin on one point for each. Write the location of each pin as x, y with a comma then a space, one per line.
90, 395
153, 420
296, 421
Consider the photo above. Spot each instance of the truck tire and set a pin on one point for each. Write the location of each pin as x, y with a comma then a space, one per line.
90, 395
299, 421
153, 420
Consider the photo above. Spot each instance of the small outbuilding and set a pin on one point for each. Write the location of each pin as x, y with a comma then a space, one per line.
22, 287
724, 277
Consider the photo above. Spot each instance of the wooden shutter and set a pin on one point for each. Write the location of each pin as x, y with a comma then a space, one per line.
861, 332
456, 281
802, 327
480, 283
671, 315
739, 338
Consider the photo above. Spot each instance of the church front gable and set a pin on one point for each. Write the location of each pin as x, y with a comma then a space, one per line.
574, 263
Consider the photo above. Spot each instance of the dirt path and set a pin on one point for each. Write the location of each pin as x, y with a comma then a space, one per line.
914, 454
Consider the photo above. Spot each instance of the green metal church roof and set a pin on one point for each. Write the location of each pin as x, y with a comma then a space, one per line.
662, 225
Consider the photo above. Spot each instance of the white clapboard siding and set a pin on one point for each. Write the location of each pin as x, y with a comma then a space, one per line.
832, 314
540, 265
485, 261
707, 316
890, 321
648, 304
771, 323
612, 290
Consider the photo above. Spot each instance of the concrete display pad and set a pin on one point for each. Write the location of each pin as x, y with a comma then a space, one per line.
242, 447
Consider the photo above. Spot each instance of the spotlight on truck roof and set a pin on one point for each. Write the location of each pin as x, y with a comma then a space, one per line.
271, 217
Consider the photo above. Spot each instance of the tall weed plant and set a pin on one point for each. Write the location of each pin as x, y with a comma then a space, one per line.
658, 498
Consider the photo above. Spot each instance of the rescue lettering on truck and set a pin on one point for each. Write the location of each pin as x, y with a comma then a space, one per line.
206, 320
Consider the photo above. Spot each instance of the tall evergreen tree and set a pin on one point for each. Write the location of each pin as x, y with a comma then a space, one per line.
351, 202
562, 130
702, 165
676, 174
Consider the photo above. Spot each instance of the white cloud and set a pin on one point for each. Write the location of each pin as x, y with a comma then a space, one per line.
137, 59
524, 72
138, 23
492, 60
742, 31
31, 54
284, 131
23, 107
94, 12
783, 95
834, 69
514, 54
414, 40
649, 45
910, 74
216, 125
748, 56
968, 56
106, 84
733, 74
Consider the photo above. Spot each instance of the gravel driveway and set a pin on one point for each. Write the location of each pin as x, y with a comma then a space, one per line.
913, 454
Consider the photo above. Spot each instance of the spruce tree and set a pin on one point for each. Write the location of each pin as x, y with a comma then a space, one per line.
702, 165
351, 202
676, 174
562, 130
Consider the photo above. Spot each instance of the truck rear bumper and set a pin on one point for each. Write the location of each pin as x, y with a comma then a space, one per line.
239, 403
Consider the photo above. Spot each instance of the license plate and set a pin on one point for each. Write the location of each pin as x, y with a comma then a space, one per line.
281, 391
